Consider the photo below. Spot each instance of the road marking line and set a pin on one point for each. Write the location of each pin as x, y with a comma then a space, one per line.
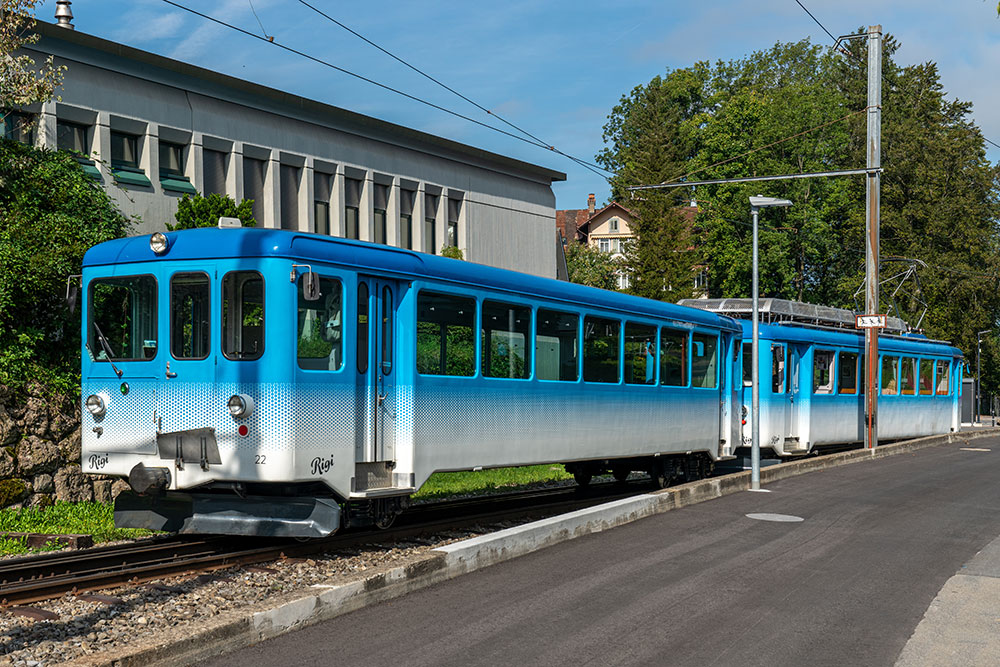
974, 449
766, 516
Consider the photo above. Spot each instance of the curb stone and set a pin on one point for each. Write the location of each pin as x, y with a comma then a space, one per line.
239, 629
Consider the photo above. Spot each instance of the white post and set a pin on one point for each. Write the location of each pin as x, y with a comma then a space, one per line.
754, 374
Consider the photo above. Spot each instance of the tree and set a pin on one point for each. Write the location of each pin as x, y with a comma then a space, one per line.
199, 211
589, 266
51, 212
452, 251
21, 84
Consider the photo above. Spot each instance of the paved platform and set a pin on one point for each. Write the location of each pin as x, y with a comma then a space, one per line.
893, 559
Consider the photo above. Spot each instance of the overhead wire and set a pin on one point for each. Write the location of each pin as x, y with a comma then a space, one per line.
449, 88
271, 40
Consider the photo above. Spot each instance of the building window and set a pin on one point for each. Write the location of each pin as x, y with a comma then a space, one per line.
623, 280
701, 279
290, 196
613, 225
430, 224
17, 126
604, 245
406, 198
321, 201
352, 208
381, 201
215, 172
72, 137
171, 159
253, 186
454, 210
124, 150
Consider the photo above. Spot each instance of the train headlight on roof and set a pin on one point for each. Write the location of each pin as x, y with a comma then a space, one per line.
95, 405
240, 405
159, 243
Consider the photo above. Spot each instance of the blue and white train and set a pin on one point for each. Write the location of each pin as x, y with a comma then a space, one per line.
267, 382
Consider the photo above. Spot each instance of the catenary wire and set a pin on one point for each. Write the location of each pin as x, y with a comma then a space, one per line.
448, 88
414, 98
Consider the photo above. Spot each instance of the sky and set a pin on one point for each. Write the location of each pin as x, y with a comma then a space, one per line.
555, 68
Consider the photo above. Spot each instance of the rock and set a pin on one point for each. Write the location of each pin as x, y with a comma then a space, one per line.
39, 500
102, 491
70, 446
8, 464
42, 483
35, 455
72, 485
12, 491
10, 432
118, 486
36, 417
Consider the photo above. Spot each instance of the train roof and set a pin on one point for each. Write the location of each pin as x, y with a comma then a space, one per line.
213, 243
910, 343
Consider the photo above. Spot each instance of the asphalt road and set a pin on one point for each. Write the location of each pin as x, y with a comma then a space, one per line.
705, 585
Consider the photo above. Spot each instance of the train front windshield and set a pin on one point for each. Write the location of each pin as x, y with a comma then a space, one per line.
122, 318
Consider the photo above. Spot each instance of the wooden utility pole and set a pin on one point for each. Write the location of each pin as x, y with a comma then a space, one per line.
872, 192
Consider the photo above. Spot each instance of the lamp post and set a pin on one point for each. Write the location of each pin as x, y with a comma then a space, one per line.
757, 203
979, 335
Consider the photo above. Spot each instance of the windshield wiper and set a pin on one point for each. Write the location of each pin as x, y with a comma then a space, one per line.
107, 349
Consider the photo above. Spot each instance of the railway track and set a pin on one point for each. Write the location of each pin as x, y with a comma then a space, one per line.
41, 577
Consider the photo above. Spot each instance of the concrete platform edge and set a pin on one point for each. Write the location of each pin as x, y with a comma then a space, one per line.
240, 629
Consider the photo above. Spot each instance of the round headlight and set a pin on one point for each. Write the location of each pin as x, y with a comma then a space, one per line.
240, 405
95, 405
158, 243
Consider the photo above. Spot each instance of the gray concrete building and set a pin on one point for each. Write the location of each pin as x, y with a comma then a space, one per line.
157, 128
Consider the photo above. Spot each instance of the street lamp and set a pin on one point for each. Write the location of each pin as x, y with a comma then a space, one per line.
757, 203
979, 335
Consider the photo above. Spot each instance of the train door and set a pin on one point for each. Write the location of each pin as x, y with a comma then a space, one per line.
378, 301
794, 394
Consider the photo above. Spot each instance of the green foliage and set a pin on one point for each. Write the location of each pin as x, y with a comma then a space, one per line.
459, 349
589, 266
199, 211
51, 212
759, 116
87, 518
22, 83
481, 482
452, 251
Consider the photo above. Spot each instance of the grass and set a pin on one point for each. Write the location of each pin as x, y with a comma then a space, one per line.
481, 482
95, 519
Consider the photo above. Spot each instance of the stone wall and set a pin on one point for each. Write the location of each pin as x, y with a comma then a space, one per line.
40, 453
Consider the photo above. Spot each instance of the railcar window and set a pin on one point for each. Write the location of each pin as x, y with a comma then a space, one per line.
823, 363
556, 346
387, 334
890, 380
674, 355
778, 369
640, 353
600, 349
321, 327
506, 332
847, 373
943, 373
122, 311
907, 375
747, 364
362, 328
190, 316
446, 344
704, 360
925, 377
243, 315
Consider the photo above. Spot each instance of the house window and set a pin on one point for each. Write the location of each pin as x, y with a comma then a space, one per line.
352, 208
430, 223
381, 204
215, 172
701, 279
124, 150
604, 245
321, 201
613, 225
72, 137
17, 126
406, 198
290, 177
253, 186
623, 280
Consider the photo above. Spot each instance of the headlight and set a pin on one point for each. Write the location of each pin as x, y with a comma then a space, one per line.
158, 243
95, 405
240, 405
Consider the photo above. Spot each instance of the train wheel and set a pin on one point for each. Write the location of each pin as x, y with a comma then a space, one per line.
659, 476
621, 474
583, 477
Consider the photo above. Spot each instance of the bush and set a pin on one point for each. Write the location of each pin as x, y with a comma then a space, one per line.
199, 211
51, 212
